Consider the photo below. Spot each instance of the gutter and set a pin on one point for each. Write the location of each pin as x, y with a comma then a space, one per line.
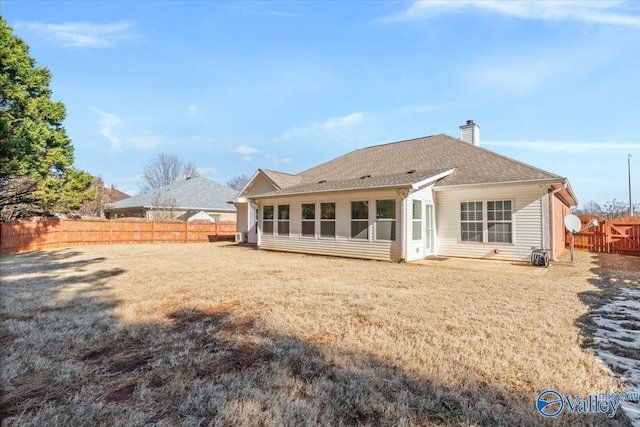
438, 187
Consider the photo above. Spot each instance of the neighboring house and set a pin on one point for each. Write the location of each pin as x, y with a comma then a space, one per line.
407, 200
179, 200
116, 195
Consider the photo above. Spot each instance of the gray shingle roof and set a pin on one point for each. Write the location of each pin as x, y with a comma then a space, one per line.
388, 165
194, 193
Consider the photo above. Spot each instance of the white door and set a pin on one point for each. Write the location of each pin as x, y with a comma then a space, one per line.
252, 235
428, 230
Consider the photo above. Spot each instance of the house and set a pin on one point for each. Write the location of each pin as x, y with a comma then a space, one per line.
179, 200
407, 200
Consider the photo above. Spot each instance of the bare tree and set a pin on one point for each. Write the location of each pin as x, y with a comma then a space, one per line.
590, 208
95, 207
16, 197
165, 206
611, 209
166, 168
238, 182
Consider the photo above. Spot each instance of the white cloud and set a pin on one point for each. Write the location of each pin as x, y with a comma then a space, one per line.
246, 152
106, 124
604, 12
207, 171
115, 130
80, 34
332, 125
278, 160
145, 142
594, 148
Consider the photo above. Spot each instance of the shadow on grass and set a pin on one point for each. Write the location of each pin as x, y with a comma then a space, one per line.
70, 362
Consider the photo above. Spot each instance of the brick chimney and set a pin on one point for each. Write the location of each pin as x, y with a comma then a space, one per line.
470, 133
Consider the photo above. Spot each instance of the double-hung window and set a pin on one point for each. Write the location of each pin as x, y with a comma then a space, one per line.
267, 219
386, 219
360, 220
417, 220
499, 221
471, 221
309, 219
283, 220
328, 219
490, 222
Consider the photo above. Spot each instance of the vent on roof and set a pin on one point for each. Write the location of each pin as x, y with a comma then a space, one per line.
322, 181
365, 176
411, 171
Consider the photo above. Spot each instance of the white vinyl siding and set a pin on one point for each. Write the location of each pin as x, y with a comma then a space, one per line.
342, 244
526, 221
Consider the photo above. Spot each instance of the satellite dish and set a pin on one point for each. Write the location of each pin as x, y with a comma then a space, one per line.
572, 223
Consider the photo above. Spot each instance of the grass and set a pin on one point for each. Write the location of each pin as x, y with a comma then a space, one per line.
218, 334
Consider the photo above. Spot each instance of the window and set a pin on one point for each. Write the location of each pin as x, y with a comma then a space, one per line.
359, 220
417, 220
216, 217
471, 221
283, 219
386, 219
267, 219
327, 220
499, 223
309, 219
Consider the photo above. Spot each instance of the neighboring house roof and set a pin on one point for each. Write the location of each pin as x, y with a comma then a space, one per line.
191, 193
388, 164
116, 195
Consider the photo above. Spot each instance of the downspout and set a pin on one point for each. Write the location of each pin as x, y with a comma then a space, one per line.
553, 219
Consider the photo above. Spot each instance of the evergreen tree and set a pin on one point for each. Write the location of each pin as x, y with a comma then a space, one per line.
36, 155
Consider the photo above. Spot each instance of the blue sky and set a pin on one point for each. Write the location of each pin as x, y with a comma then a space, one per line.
234, 86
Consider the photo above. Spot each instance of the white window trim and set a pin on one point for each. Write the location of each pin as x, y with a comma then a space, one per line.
302, 220
277, 220
485, 223
368, 219
421, 220
512, 222
262, 220
395, 219
334, 220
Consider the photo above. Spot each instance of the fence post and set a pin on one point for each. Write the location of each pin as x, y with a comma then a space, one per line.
153, 232
60, 232
186, 232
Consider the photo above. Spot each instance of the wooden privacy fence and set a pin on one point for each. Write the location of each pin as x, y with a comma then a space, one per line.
42, 233
613, 236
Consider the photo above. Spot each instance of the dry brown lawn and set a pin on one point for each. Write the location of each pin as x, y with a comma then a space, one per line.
219, 334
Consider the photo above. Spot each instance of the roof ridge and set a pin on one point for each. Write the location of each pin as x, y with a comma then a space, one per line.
370, 147
503, 156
